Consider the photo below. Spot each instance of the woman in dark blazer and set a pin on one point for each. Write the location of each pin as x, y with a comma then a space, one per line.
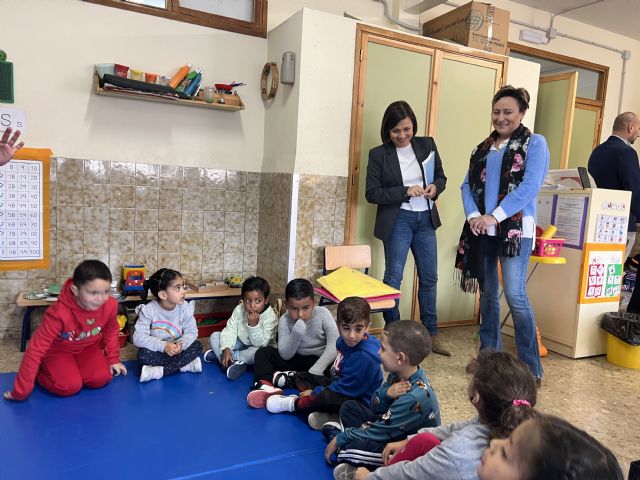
404, 178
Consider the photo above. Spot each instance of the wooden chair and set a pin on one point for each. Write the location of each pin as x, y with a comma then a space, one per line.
356, 257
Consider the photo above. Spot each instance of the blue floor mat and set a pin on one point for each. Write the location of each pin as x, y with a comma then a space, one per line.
183, 426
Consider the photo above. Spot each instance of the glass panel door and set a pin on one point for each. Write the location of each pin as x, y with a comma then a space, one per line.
464, 89
554, 115
583, 135
390, 71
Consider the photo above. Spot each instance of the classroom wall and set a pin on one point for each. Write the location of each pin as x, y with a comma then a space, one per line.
371, 11
53, 62
281, 113
326, 85
304, 131
580, 50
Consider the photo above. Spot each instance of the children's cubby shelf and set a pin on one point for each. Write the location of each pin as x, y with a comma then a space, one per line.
232, 103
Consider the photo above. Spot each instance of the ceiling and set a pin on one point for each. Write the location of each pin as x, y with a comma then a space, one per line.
619, 16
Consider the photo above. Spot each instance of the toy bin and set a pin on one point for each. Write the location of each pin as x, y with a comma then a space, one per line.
122, 339
623, 338
211, 322
548, 247
621, 353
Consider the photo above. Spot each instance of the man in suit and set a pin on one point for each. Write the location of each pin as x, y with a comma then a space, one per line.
614, 165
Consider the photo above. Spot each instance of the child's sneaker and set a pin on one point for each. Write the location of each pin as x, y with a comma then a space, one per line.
284, 379
151, 373
236, 370
331, 430
257, 398
317, 420
280, 403
209, 357
344, 471
195, 366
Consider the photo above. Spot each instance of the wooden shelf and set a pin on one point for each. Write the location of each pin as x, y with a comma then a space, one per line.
173, 101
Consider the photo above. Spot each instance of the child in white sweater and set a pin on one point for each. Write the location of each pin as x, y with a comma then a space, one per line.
252, 325
166, 332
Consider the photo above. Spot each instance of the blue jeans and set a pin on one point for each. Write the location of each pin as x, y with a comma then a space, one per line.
514, 274
413, 230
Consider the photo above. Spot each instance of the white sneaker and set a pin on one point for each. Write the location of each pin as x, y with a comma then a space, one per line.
284, 379
316, 420
236, 370
151, 373
344, 471
194, 367
281, 403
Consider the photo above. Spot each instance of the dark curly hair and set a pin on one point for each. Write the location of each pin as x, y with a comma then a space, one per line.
499, 378
564, 452
396, 112
520, 95
161, 280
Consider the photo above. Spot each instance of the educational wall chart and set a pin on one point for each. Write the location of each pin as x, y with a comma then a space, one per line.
21, 210
612, 225
570, 218
603, 275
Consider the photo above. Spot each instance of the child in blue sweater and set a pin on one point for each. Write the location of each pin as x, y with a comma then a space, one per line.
403, 404
355, 374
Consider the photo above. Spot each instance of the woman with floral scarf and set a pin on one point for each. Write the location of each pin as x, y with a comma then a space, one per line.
499, 193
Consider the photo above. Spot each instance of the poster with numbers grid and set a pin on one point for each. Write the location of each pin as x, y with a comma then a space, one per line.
24, 210
21, 210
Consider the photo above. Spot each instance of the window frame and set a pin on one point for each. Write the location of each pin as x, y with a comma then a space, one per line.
173, 11
583, 103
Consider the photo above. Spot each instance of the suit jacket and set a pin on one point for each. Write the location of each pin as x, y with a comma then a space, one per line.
386, 188
614, 165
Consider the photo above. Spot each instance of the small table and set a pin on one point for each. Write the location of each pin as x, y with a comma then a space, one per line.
31, 305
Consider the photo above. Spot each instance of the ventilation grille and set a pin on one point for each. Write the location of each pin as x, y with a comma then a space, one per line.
6, 82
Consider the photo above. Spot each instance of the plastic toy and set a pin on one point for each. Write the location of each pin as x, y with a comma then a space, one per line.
228, 87
133, 279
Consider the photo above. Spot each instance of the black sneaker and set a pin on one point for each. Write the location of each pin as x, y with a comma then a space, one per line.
330, 430
284, 379
236, 370
209, 357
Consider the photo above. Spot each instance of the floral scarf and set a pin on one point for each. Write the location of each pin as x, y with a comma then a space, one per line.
470, 257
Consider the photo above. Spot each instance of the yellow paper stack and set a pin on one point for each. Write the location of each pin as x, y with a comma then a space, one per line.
347, 282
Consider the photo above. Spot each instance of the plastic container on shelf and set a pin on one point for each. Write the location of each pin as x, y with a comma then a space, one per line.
548, 247
179, 76
211, 322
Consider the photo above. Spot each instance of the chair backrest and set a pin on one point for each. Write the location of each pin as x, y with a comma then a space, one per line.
354, 256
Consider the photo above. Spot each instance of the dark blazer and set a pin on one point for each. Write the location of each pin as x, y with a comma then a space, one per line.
614, 165
386, 189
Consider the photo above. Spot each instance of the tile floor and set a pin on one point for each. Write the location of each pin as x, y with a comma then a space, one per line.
591, 393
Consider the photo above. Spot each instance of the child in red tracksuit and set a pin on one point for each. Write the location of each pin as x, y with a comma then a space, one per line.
66, 351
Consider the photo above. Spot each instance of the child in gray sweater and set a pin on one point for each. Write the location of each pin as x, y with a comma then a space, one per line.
166, 333
307, 337
502, 390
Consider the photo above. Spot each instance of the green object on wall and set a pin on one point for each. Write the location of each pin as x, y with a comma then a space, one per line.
6, 79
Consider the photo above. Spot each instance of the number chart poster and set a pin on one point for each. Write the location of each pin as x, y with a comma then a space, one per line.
24, 211
601, 274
